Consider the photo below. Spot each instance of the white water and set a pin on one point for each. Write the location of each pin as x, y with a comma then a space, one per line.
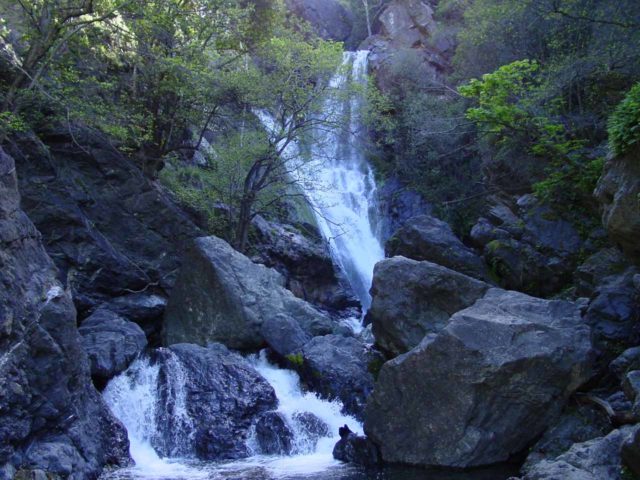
133, 398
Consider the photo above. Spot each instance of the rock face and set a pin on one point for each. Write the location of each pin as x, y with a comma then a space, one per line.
338, 367
597, 459
428, 238
412, 299
108, 229
51, 417
273, 434
352, 448
306, 264
617, 192
631, 452
484, 387
221, 296
220, 391
328, 18
398, 204
111, 342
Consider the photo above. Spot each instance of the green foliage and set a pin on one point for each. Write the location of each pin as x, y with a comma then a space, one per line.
624, 123
296, 360
11, 123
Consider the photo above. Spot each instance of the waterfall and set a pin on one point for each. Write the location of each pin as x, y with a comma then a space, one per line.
343, 189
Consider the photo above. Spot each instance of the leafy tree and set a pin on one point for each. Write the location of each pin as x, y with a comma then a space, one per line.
624, 124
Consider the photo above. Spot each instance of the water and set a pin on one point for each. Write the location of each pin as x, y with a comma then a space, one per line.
343, 190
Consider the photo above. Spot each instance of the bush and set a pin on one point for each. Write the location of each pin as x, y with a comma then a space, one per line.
624, 123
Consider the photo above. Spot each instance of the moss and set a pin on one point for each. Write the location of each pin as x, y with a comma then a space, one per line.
296, 360
375, 366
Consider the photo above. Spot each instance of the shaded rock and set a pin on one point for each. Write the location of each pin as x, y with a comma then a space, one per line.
111, 342
614, 315
544, 228
631, 387
597, 459
631, 452
144, 309
627, 361
328, 18
397, 204
313, 426
574, 426
338, 367
484, 232
107, 227
617, 192
352, 448
222, 395
412, 299
273, 434
305, 262
602, 264
51, 417
221, 296
428, 238
483, 388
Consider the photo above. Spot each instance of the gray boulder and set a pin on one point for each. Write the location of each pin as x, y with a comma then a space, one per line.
602, 264
328, 18
339, 367
597, 459
51, 417
111, 343
412, 299
631, 452
352, 448
222, 396
483, 388
627, 361
273, 434
222, 296
617, 192
428, 238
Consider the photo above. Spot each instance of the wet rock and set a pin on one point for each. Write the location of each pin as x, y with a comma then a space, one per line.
631, 452
412, 299
313, 426
111, 342
338, 367
428, 238
51, 417
574, 426
305, 262
273, 434
597, 459
220, 392
617, 192
352, 448
328, 18
397, 205
221, 296
627, 361
484, 387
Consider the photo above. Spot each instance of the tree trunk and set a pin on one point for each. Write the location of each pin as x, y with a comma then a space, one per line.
244, 222
365, 3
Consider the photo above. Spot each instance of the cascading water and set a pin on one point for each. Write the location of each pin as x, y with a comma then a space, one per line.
343, 188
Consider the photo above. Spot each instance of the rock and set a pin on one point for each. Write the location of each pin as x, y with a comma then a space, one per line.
627, 361
352, 448
111, 342
338, 367
328, 18
273, 434
51, 417
574, 426
484, 232
614, 315
412, 299
631, 452
305, 262
597, 459
144, 309
631, 387
427, 238
617, 192
397, 204
484, 387
602, 264
545, 229
221, 296
108, 228
406, 21
222, 395
313, 426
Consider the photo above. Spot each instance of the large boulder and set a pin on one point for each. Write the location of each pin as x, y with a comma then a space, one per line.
484, 387
111, 342
597, 459
221, 395
412, 299
631, 452
397, 204
108, 228
618, 191
305, 262
51, 417
428, 238
339, 368
222, 296
328, 18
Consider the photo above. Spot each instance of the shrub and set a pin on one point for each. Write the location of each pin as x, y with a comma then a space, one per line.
624, 123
